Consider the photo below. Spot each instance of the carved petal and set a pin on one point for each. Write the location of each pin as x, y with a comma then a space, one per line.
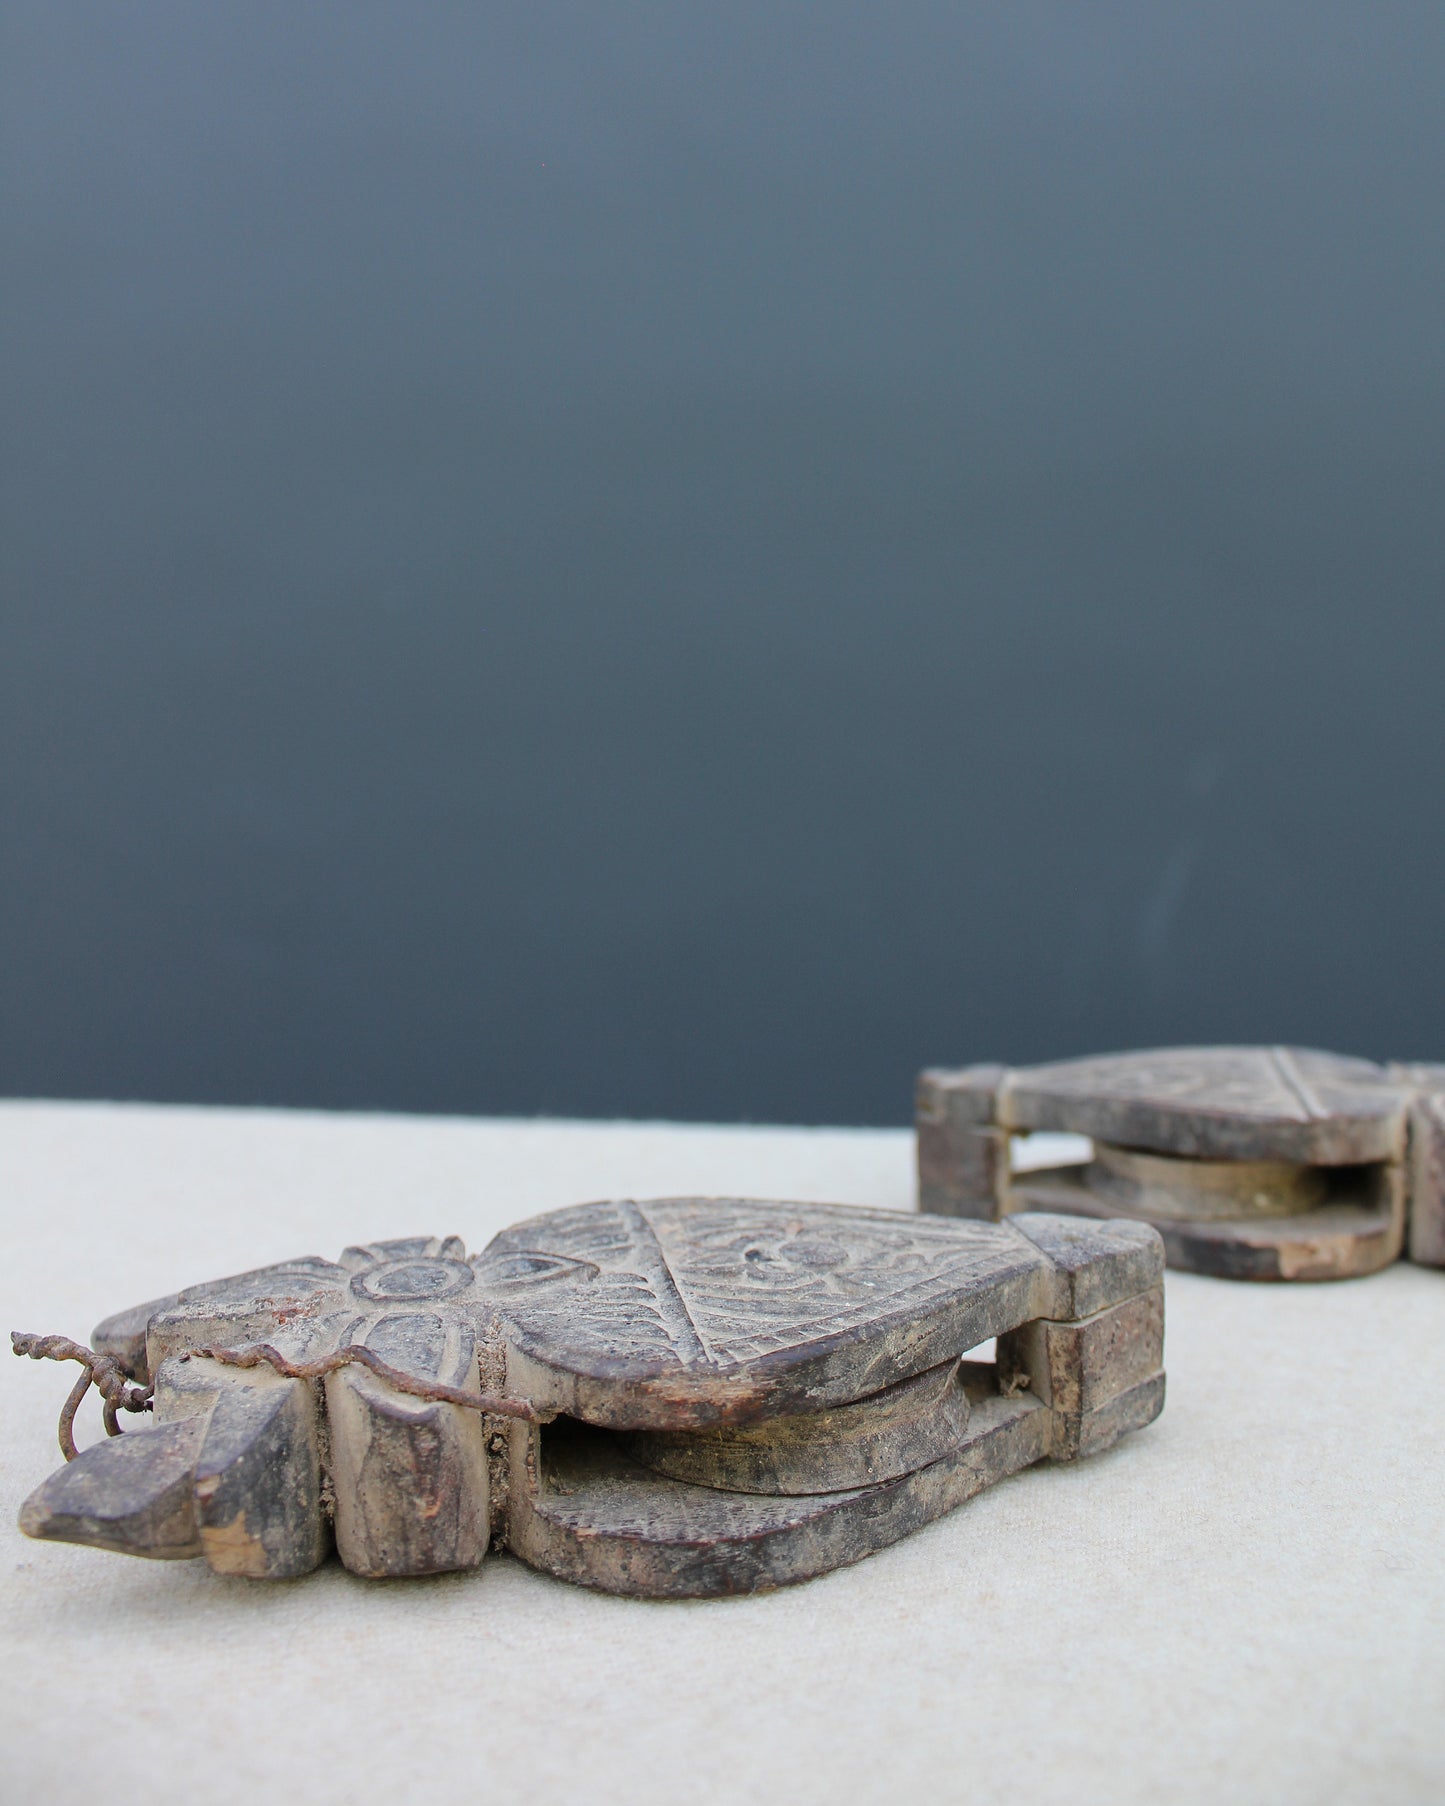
248, 1307
410, 1474
409, 1247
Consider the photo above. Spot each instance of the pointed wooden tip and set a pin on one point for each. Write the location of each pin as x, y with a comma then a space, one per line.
131, 1493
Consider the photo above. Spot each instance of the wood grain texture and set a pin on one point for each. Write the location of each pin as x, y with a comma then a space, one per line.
685, 1312
1252, 1162
893, 1432
963, 1158
1082, 1371
409, 1475
593, 1516
1426, 1161
407, 1478
1094, 1264
1340, 1240
757, 1390
257, 1483
1217, 1103
133, 1495
1165, 1185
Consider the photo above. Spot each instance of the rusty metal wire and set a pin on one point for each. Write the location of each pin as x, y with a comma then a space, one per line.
496, 1404
104, 1373
101, 1371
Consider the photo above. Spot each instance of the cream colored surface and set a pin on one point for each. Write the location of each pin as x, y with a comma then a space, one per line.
1244, 1603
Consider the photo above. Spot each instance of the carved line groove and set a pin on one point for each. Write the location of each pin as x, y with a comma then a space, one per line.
1296, 1084
677, 1319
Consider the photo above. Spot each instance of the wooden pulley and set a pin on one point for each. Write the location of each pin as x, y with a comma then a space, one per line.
1252, 1162
683, 1397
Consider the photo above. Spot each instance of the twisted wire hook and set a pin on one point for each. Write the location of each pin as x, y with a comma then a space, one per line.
104, 1373
101, 1371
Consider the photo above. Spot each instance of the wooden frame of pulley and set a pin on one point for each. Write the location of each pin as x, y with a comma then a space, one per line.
667, 1398
1251, 1162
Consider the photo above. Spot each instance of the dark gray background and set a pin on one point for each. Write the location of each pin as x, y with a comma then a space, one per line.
688, 560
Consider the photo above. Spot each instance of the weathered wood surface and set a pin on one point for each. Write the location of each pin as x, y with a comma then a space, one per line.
963, 1156
410, 1475
894, 1432
1426, 1161
1166, 1185
1340, 1240
1253, 1163
1212, 1103
595, 1517
407, 1477
769, 1389
683, 1312
1217, 1103
133, 1494
256, 1485
590, 1515
1098, 1376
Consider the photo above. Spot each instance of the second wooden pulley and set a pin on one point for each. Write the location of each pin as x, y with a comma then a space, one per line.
1252, 1162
